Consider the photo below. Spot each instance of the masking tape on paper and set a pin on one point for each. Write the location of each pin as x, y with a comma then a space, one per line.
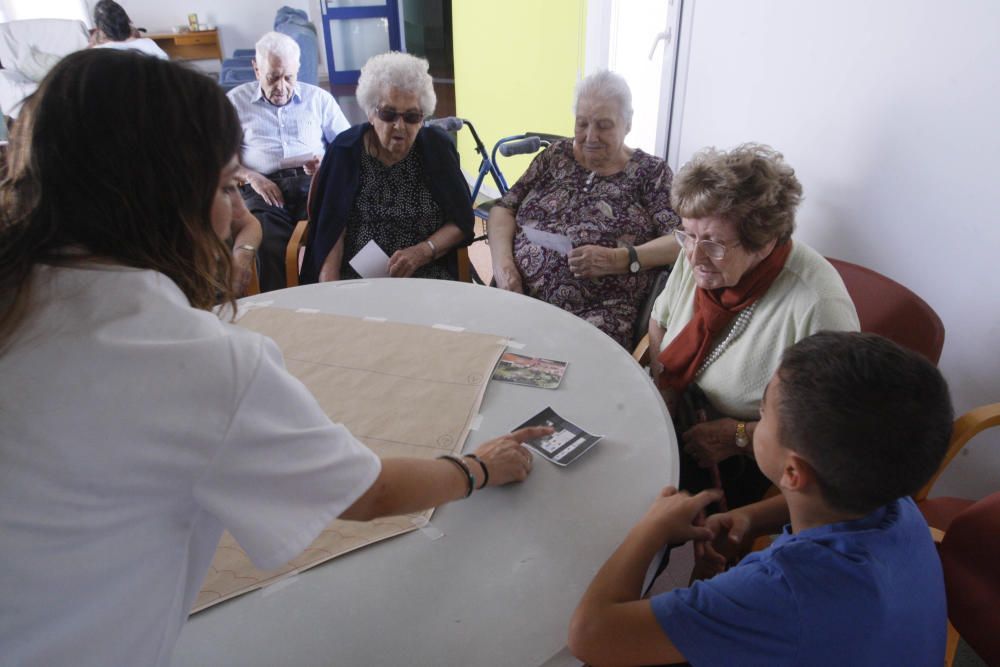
281, 584
429, 530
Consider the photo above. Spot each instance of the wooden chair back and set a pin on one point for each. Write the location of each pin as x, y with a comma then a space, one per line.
966, 427
295, 249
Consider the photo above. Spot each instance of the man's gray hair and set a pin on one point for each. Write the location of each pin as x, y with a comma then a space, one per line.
605, 85
395, 70
277, 44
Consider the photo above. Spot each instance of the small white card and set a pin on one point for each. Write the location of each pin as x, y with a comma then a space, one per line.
561, 244
371, 262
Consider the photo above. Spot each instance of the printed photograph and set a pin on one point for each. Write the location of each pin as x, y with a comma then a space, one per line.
566, 445
529, 371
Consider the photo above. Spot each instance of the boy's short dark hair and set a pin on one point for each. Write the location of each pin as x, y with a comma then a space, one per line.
872, 418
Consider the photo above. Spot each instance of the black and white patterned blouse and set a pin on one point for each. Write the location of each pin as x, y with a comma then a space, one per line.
395, 208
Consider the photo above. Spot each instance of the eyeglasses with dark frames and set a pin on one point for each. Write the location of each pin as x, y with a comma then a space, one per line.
712, 249
390, 115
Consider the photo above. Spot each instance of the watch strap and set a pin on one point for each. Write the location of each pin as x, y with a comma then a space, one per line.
633, 259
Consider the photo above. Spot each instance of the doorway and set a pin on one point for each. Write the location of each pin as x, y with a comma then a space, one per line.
638, 39
427, 33
420, 27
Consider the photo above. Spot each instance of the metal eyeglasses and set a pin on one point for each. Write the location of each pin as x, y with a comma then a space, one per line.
712, 249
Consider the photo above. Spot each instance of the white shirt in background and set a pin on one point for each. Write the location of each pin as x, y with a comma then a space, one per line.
141, 44
306, 125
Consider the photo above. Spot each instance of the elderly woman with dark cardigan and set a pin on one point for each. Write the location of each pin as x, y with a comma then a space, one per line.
390, 180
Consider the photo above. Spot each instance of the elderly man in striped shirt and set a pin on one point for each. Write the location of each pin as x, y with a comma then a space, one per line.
287, 125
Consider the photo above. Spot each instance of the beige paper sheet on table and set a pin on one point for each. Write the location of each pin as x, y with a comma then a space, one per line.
402, 389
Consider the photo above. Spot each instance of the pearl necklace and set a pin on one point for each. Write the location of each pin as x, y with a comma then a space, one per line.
739, 326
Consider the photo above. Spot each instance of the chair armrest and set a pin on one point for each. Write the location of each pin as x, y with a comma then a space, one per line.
641, 351
253, 287
464, 272
966, 427
295, 242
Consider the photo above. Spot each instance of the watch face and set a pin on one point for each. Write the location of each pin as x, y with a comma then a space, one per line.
634, 267
742, 437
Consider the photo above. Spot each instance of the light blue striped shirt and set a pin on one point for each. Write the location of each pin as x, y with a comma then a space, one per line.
306, 124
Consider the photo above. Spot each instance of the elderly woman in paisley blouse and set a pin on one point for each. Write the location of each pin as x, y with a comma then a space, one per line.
610, 201
390, 180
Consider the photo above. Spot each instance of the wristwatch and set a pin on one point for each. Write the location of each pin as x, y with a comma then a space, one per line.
633, 259
742, 438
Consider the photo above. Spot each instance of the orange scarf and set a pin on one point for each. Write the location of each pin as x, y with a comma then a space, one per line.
713, 311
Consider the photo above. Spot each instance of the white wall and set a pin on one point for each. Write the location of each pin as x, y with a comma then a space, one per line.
889, 112
19, 10
240, 23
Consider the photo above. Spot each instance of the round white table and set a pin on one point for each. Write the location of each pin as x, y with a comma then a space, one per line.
500, 586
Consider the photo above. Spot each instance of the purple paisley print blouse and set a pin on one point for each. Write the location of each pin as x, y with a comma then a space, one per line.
559, 195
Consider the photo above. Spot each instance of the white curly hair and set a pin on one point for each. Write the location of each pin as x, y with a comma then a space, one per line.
395, 70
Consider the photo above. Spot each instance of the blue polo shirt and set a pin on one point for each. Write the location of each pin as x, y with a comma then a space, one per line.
862, 592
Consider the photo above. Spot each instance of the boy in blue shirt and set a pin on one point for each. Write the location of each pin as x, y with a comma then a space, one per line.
851, 425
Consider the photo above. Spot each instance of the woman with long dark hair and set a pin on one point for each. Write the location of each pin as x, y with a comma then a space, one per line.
135, 424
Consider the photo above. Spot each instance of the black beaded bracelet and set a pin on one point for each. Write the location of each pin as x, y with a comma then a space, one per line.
469, 479
482, 464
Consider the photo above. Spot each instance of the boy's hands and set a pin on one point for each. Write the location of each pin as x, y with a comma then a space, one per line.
675, 516
733, 535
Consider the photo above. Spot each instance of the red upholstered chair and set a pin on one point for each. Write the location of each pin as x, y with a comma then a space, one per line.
970, 555
889, 309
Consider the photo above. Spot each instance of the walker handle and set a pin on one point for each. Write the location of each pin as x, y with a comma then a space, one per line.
521, 147
448, 124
